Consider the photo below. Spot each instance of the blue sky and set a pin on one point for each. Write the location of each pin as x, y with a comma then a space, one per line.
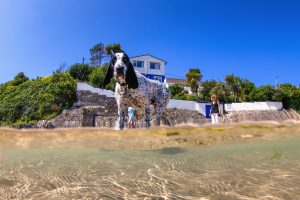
255, 39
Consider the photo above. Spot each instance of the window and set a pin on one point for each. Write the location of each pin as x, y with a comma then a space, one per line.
154, 65
158, 78
138, 63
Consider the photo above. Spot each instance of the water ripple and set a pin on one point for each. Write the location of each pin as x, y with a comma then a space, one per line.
233, 172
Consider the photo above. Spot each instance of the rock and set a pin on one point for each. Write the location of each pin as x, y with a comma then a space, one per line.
22, 126
45, 124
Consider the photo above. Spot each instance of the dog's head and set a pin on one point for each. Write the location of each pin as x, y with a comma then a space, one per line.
122, 70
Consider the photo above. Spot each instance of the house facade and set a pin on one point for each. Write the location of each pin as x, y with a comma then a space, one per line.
181, 82
150, 66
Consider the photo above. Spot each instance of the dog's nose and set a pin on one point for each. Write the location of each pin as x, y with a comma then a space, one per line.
120, 70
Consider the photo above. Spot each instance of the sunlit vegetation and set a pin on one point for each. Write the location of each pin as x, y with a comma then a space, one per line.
25, 101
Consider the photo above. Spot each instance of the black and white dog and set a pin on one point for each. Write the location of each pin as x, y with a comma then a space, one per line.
135, 90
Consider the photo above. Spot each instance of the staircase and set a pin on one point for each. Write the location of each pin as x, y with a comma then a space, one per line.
87, 87
292, 114
90, 96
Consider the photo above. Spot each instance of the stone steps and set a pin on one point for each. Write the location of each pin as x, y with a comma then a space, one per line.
292, 114
87, 87
88, 98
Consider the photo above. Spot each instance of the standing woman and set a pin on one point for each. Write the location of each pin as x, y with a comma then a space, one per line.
214, 109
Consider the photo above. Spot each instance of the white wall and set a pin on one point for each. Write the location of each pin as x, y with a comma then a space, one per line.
253, 106
192, 105
201, 107
189, 105
146, 70
182, 104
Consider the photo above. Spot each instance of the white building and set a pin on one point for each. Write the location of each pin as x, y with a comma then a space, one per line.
150, 66
181, 82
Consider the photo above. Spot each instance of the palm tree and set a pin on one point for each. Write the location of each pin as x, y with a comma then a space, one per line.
234, 84
193, 77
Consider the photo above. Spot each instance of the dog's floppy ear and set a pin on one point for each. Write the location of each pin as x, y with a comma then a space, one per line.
130, 77
109, 74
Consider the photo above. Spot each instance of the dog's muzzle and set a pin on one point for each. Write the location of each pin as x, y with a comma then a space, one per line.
120, 76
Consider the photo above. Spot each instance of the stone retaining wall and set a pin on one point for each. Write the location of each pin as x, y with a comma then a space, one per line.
255, 115
178, 116
94, 110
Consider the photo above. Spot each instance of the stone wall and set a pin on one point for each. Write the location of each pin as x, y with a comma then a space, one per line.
178, 116
94, 110
85, 112
87, 98
255, 115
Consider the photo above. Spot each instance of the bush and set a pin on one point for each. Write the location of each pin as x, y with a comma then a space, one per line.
289, 95
97, 77
80, 72
175, 89
188, 97
19, 79
38, 99
263, 93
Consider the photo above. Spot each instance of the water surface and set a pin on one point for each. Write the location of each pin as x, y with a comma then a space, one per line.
253, 170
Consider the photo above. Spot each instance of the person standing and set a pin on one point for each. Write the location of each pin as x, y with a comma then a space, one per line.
214, 109
131, 113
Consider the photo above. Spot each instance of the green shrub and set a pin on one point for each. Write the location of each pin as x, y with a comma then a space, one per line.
97, 75
289, 95
80, 72
175, 89
263, 93
188, 97
19, 79
33, 100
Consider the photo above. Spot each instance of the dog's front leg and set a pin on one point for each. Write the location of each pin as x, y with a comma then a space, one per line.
121, 117
147, 115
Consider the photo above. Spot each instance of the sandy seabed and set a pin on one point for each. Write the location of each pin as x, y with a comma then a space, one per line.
257, 161
154, 138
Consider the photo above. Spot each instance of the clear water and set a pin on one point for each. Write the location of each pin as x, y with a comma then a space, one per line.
254, 170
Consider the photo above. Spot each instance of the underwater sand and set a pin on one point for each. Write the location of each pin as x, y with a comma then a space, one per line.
241, 161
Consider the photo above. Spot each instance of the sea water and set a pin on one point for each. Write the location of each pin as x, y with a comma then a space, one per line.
253, 170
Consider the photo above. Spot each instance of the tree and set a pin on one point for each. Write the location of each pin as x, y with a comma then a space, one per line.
175, 89
113, 49
221, 91
234, 84
246, 88
263, 93
80, 72
19, 79
97, 54
289, 95
193, 77
206, 87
